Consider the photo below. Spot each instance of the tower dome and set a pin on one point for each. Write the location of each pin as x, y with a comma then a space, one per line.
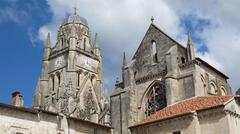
75, 19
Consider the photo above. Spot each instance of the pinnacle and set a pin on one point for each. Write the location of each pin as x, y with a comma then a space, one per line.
48, 41
96, 45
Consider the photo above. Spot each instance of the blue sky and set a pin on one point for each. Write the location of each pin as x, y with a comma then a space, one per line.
121, 26
20, 57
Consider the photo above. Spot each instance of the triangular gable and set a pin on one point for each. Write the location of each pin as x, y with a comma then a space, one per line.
153, 30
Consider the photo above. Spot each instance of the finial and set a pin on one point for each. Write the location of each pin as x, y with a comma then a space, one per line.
48, 41
117, 80
75, 11
152, 19
95, 43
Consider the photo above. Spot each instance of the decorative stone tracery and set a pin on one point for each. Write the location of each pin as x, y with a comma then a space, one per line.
155, 99
68, 102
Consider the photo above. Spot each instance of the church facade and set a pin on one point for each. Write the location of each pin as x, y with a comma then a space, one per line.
165, 89
163, 83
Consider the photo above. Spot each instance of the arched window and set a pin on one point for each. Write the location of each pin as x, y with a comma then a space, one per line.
135, 74
59, 78
92, 77
93, 80
223, 91
78, 78
203, 84
51, 82
154, 48
156, 99
56, 82
62, 41
84, 43
154, 51
213, 88
77, 43
203, 81
183, 60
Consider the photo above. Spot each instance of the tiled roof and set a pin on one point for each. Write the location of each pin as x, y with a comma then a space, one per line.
185, 107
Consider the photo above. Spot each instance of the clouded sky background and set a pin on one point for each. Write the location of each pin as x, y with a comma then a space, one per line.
121, 26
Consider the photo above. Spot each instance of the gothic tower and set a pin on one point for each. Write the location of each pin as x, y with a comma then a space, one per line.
70, 81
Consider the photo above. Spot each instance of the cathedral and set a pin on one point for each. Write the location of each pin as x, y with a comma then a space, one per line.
165, 89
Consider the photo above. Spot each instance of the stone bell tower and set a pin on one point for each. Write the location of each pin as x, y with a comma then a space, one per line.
70, 81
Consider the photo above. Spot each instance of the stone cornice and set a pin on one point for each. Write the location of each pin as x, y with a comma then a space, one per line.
89, 54
232, 113
54, 54
188, 64
150, 77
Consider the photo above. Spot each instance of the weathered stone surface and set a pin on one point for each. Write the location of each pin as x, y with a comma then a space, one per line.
183, 75
70, 81
162, 72
14, 120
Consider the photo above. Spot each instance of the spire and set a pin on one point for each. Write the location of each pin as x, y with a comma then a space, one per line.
190, 48
95, 43
123, 68
124, 59
96, 48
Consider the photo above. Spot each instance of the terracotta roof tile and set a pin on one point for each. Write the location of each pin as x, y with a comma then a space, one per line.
185, 107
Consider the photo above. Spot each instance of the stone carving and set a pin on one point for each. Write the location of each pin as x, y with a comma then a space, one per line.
90, 106
68, 102
151, 76
50, 100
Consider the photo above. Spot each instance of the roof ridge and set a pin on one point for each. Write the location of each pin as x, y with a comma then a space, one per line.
232, 98
183, 100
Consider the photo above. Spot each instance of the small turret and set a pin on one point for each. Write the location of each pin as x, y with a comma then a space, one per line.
190, 48
96, 48
123, 68
124, 59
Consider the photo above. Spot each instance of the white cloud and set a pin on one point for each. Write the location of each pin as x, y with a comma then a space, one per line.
122, 24
222, 37
11, 14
